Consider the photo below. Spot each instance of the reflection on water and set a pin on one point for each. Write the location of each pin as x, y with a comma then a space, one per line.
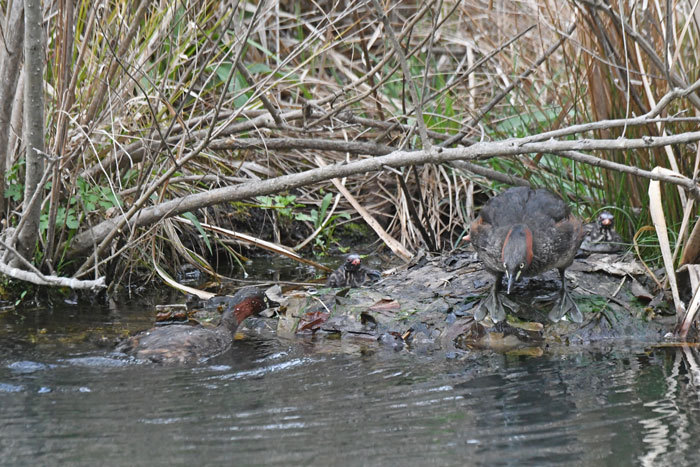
670, 430
272, 401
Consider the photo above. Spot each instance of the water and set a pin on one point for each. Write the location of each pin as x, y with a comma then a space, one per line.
64, 399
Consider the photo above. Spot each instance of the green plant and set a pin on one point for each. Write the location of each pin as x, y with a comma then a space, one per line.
15, 187
284, 205
88, 199
327, 228
21, 297
94, 196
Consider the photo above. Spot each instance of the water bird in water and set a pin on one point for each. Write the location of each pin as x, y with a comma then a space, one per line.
524, 232
184, 343
352, 273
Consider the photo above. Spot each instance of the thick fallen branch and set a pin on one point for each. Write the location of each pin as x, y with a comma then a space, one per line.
53, 281
81, 243
34, 276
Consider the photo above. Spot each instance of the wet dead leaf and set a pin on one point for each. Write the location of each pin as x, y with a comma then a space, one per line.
287, 325
385, 304
275, 294
171, 313
609, 264
312, 320
171, 317
343, 292
289, 317
639, 291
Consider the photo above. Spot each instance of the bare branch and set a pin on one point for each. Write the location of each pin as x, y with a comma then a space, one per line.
34, 276
480, 151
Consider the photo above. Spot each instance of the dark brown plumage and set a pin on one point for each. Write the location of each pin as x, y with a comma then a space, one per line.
181, 343
352, 273
524, 232
600, 236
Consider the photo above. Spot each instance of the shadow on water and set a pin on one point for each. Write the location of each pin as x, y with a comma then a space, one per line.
64, 398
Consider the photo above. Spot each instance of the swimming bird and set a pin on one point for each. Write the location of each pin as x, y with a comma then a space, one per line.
183, 343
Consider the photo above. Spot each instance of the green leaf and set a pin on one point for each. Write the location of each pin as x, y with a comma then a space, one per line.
260, 47
255, 68
109, 199
223, 71
285, 200
192, 218
265, 201
21, 297
238, 84
324, 206
43, 222
314, 217
15, 191
71, 220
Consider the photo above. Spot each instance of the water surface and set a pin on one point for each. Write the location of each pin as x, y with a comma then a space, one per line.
65, 399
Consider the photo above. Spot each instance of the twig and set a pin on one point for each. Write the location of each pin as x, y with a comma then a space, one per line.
353, 147
417, 221
485, 109
136, 151
89, 116
684, 182
480, 62
378, 67
322, 224
413, 90
265, 101
490, 173
146, 195
674, 78
11, 249
245, 238
349, 117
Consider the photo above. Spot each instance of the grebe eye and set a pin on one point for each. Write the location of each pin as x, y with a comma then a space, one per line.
505, 266
522, 265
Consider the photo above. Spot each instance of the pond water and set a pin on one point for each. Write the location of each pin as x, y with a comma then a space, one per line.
65, 399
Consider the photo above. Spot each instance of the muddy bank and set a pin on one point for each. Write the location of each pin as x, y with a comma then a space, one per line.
429, 305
